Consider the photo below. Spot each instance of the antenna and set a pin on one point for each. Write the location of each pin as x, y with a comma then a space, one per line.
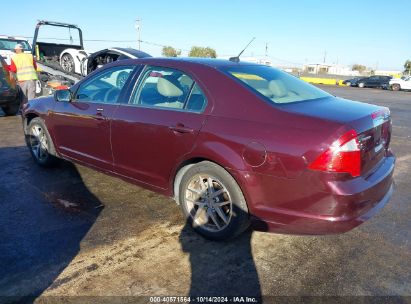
237, 58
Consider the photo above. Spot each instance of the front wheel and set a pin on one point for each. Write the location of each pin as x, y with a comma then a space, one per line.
396, 87
361, 85
39, 143
212, 202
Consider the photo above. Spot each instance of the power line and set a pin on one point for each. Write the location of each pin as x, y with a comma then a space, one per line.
158, 45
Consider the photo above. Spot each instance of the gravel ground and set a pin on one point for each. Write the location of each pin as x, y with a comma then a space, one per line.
71, 231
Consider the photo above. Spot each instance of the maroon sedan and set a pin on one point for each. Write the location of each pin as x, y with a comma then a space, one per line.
233, 143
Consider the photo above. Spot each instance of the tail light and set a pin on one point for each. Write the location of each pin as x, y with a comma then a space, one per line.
344, 155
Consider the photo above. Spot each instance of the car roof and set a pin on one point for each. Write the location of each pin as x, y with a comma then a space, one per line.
12, 37
210, 62
131, 51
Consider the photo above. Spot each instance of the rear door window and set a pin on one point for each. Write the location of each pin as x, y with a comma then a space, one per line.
168, 89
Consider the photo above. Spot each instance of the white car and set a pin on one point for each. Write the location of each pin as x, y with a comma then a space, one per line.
7, 44
403, 83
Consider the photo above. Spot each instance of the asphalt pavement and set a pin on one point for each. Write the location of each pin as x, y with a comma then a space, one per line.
71, 231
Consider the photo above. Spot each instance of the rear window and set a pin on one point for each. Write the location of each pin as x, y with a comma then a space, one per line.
9, 44
275, 85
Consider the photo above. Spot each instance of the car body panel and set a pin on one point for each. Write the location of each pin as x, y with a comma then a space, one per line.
266, 147
8, 87
404, 82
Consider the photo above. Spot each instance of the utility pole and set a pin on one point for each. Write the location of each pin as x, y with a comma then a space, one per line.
325, 56
138, 28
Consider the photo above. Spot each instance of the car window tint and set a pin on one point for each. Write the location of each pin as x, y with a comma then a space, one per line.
106, 86
197, 100
275, 85
163, 88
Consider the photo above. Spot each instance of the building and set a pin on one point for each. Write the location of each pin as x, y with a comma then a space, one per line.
332, 69
258, 60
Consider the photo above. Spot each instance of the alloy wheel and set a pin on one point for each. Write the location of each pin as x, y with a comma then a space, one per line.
38, 143
67, 63
208, 202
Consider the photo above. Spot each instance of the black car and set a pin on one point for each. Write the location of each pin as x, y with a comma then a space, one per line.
10, 96
353, 82
100, 58
374, 82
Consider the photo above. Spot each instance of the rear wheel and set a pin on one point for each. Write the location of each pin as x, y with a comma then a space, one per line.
39, 143
212, 202
348, 84
396, 87
11, 109
67, 63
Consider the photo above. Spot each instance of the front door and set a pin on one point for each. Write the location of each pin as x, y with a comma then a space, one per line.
158, 127
82, 127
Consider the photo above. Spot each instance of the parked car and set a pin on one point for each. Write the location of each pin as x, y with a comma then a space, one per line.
403, 83
375, 82
10, 97
233, 143
353, 82
7, 44
100, 58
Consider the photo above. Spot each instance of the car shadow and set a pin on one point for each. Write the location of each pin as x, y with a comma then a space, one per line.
209, 259
45, 215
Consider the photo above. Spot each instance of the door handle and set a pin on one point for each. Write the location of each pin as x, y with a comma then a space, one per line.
180, 128
99, 115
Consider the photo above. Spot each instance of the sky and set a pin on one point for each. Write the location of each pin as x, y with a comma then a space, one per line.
373, 33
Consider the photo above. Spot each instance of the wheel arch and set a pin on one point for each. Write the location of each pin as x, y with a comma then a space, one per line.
188, 163
28, 118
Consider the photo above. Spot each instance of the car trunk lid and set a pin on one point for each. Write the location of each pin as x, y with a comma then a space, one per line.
372, 124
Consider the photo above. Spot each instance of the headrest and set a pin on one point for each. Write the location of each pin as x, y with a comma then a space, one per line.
169, 86
278, 88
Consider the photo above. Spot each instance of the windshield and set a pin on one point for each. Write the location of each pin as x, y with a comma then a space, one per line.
275, 85
9, 44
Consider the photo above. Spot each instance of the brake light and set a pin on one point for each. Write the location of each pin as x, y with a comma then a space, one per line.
344, 155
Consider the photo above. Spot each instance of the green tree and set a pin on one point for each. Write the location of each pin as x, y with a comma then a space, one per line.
407, 67
169, 51
198, 51
359, 67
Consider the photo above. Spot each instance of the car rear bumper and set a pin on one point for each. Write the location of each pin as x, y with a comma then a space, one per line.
334, 207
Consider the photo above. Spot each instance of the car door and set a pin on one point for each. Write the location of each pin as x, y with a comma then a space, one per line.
371, 82
81, 128
406, 84
159, 125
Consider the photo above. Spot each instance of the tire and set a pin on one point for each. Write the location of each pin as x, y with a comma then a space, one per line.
361, 85
39, 142
348, 84
11, 109
396, 87
67, 63
218, 216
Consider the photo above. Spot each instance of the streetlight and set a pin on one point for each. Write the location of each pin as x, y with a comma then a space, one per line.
137, 25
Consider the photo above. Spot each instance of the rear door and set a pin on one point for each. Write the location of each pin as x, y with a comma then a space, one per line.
373, 81
159, 125
82, 127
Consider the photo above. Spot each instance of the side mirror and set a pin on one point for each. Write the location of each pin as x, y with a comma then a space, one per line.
63, 95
